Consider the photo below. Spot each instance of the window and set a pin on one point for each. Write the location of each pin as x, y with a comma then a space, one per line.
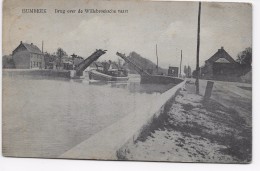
31, 64
34, 63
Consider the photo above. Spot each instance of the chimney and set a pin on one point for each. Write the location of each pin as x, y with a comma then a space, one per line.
31, 43
21, 42
221, 49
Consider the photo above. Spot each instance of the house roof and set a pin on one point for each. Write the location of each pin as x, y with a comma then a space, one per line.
114, 65
32, 48
98, 64
221, 56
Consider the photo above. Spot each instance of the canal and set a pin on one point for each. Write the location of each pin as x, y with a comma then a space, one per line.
45, 117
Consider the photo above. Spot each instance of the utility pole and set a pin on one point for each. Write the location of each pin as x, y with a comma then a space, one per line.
198, 52
180, 64
42, 46
43, 57
157, 59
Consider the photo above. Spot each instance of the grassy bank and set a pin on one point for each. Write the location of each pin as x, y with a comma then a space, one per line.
192, 130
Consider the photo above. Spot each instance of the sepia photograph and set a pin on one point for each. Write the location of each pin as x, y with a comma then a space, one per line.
167, 81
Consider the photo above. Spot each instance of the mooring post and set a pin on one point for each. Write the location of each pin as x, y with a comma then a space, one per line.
208, 90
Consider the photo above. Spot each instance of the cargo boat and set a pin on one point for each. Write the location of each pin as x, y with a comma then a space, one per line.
112, 75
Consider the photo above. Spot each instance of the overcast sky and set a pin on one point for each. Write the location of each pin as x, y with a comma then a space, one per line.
170, 25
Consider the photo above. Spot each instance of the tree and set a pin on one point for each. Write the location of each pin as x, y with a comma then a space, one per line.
8, 62
185, 70
245, 57
60, 53
189, 71
49, 59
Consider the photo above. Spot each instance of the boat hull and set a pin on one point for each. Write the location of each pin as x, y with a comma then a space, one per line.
95, 75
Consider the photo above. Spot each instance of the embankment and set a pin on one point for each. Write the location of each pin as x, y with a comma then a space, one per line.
193, 130
36, 72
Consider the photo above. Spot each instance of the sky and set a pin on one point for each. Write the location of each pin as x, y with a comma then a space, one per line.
170, 25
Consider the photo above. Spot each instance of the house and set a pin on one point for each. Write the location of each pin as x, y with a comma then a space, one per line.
114, 66
98, 65
28, 56
221, 66
173, 71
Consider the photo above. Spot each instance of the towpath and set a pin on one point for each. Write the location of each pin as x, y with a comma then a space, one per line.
193, 130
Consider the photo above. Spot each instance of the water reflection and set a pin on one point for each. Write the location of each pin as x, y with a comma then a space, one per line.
132, 85
149, 88
52, 115
119, 85
135, 87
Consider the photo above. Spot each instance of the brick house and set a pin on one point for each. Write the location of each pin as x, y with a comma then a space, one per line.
221, 66
28, 56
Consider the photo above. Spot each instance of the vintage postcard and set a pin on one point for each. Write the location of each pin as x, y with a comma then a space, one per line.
127, 80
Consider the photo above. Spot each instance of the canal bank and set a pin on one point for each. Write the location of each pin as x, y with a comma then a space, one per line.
106, 144
36, 72
193, 130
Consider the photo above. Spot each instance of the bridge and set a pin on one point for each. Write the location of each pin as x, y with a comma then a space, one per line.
148, 78
136, 67
84, 64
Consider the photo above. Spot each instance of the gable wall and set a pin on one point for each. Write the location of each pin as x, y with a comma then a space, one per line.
19, 49
22, 59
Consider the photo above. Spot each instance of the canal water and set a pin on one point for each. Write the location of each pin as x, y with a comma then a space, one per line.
45, 117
